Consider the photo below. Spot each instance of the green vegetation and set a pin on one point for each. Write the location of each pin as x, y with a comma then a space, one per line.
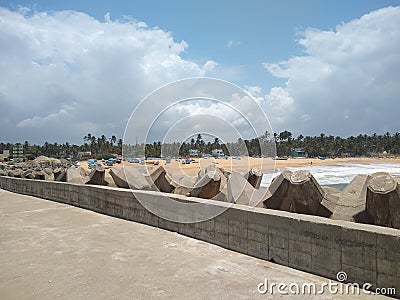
322, 145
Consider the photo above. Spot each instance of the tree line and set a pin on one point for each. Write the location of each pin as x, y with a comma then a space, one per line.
280, 144
100, 147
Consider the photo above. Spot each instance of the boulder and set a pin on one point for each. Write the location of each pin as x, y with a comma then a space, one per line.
297, 192
17, 173
28, 174
383, 200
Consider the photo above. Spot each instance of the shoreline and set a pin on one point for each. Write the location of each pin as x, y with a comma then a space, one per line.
266, 165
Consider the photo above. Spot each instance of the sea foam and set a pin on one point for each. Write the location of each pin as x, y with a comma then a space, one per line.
339, 174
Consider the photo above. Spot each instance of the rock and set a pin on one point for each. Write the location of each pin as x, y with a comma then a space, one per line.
297, 192
46, 174
29, 174
17, 173
40, 175
45, 159
97, 176
254, 177
383, 200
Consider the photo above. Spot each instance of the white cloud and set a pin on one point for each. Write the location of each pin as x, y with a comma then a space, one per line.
346, 83
232, 43
69, 74
62, 116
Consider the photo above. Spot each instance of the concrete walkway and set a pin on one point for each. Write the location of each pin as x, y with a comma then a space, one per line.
51, 250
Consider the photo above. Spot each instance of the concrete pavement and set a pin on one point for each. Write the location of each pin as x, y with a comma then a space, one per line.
55, 251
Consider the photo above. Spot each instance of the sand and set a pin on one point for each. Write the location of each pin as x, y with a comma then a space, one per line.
267, 165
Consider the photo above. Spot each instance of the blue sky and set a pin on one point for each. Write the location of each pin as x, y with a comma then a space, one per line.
246, 43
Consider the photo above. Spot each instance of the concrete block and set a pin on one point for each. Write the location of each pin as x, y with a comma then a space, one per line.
300, 261
359, 248
386, 243
205, 235
360, 275
221, 239
257, 249
119, 211
169, 225
131, 214
238, 228
388, 267
221, 225
238, 243
144, 216
278, 232
186, 229
385, 281
326, 249
278, 255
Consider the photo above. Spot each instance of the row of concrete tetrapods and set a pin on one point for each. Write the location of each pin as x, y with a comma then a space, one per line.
371, 199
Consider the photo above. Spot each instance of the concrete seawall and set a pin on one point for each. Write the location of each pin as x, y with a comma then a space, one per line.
313, 244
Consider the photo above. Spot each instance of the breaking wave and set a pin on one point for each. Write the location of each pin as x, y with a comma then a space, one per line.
341, 174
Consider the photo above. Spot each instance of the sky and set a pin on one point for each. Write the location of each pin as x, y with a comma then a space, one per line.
75, 67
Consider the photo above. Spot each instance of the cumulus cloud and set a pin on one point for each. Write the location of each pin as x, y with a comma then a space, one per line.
232, 43
65, 74
347, 82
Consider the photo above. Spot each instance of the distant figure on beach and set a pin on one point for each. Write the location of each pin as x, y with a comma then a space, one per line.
311, 162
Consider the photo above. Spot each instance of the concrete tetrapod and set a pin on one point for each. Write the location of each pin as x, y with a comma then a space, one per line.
77, 176
254, 177
133, 177
297, 192
185, 185
97, 176
383, 200
208, 186
351, 201
161, 179
60, 174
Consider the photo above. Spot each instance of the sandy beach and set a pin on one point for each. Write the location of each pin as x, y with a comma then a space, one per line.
267, 165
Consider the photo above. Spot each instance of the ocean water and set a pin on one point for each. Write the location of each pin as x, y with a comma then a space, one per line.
341, 175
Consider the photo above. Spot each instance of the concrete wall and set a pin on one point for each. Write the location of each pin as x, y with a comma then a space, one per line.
313, 244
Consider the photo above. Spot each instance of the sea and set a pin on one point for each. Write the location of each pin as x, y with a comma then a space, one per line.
339, 176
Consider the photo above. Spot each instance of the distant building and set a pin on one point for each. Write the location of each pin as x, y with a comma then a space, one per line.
299, 153
18, 152
193, 152
84, 154
4, 155
217, 152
